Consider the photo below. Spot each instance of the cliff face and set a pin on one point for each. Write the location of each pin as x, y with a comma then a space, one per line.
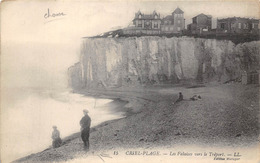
146, 60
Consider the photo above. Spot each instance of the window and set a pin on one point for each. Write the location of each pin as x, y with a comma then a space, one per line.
171, 28
233, 25
255, 26
222, 25
155, 16
155, 25
139, 16
148, 25
179, 21
166, 28
165, 22
239, 25
245, 26
139, 24
170, 22
179, 28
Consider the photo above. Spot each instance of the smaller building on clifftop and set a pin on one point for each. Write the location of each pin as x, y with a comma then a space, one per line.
237, 25
200, 24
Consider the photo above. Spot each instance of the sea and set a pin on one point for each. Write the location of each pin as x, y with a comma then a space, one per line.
28, 114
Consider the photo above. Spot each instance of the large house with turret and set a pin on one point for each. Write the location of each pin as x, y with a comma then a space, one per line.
153, 24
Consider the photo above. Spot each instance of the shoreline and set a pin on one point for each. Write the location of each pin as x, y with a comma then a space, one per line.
126, 109
161, 123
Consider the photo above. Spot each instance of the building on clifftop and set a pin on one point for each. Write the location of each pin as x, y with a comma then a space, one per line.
237, 25
200, 24
149, 24
152, 24
174, 23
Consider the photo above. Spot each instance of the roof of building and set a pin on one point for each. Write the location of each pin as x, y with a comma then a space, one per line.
147, 16
177, 11
236, 18
169, 17
209, 16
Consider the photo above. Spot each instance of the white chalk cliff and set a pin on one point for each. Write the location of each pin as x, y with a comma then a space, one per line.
150, 60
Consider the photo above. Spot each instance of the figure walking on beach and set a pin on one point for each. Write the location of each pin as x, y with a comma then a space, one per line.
56, 140
85, 128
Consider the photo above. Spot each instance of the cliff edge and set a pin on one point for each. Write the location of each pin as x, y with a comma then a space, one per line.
116, 62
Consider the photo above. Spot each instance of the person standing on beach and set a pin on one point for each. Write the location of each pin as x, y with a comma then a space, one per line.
85, 128
56, 140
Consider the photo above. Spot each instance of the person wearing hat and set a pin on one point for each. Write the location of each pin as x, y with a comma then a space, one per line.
56, 140
85, 128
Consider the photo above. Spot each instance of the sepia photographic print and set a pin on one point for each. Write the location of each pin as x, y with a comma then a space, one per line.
130, 81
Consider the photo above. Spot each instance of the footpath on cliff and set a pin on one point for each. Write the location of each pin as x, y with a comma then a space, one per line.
225, 117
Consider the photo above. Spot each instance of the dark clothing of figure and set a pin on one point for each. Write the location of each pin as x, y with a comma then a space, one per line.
195, 97
85, 128
56, 143
85, 137
85, 122
56, 140
180, 97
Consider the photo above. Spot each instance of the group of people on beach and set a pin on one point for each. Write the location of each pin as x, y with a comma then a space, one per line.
85, 126
193, 98
85, 123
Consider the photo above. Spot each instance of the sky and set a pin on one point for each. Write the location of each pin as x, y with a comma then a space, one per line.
37, 51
